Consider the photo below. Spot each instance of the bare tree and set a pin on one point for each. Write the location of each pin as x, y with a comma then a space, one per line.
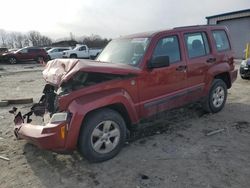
39, 40
3, 36
34, 37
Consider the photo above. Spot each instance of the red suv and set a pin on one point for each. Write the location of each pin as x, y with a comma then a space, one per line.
90, 105
26, 54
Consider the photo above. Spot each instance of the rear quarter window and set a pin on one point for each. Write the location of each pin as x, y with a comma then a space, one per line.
221, 40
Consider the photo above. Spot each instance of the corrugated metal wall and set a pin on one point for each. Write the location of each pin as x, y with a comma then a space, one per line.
240, 33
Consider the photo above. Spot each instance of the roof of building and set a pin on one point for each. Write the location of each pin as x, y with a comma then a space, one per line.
229, 13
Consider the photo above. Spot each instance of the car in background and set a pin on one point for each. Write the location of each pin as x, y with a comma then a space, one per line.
82, 51
3, 50
245, 69
47, 48
26, 54
56, 52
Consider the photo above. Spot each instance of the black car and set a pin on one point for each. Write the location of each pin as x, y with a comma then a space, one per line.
245, 69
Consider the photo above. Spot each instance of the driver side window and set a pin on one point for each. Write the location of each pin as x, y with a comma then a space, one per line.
168, 46
24, 51
83, 48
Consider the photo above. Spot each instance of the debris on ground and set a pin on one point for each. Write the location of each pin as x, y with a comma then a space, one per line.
4, 158
16, 101
144, 177
241, 125
4, 103
214, 132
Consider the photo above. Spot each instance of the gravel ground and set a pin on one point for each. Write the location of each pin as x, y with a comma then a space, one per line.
172, 151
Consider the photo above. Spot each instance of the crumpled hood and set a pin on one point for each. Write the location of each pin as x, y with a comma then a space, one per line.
60, 70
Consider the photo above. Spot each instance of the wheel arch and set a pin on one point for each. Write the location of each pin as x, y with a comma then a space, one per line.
73, 54
117, 102
225, 77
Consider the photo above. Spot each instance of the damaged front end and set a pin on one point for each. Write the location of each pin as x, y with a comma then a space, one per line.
67, 81
50, 133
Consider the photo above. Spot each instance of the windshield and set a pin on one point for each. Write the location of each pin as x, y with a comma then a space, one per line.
22, 50
126, 51
52, 50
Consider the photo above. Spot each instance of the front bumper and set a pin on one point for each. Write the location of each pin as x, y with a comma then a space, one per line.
245, 71
49, 136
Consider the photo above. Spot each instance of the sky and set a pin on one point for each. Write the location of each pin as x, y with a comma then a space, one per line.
108, 18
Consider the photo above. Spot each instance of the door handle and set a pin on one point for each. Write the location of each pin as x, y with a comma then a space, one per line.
182, 68
211, 60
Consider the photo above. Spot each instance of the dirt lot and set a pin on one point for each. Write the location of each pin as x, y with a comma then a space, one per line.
174, 152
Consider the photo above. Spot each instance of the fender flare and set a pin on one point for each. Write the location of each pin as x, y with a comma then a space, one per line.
93, 102
215, 70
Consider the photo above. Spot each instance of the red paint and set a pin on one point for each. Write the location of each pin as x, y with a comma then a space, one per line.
146, 92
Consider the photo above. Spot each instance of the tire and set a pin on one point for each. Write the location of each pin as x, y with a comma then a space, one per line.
102, 128
39, 59
216, 99
74, 56
245, 77
12, 60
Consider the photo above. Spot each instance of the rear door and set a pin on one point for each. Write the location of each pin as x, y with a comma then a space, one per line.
198, 58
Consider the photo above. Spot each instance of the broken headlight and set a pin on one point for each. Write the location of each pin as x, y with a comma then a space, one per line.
59, 117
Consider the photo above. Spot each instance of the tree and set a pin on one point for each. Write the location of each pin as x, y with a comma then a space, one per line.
39, 40
3, 37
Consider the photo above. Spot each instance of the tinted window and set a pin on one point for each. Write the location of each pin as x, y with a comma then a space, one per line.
82, 48
168, 46
63, 49
33, 50
221, 40
197, 44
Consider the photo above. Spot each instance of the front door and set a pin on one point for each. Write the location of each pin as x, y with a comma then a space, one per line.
163, 88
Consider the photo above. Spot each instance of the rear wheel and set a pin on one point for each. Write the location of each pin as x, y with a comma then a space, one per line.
39, 59
217, 97
102, 135
12, 60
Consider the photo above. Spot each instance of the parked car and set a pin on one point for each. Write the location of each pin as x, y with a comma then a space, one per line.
57, 52
93, 104
3, 50
26, 54
81, 51
245, 69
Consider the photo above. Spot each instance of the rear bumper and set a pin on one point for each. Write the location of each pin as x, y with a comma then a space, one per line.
47, 137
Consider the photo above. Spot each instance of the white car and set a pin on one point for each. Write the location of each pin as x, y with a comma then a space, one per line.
57, 52
82, 51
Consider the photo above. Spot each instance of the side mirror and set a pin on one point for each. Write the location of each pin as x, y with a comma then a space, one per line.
159, 61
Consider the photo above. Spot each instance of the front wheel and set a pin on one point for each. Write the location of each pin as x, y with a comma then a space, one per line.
12, 60
74, 56
217, 97
102, 135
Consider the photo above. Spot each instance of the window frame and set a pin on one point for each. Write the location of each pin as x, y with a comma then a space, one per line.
202, 34
179, 47
229, 44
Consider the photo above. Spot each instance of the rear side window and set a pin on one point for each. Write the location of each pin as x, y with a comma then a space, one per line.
168, 46
197, 44
221, 40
